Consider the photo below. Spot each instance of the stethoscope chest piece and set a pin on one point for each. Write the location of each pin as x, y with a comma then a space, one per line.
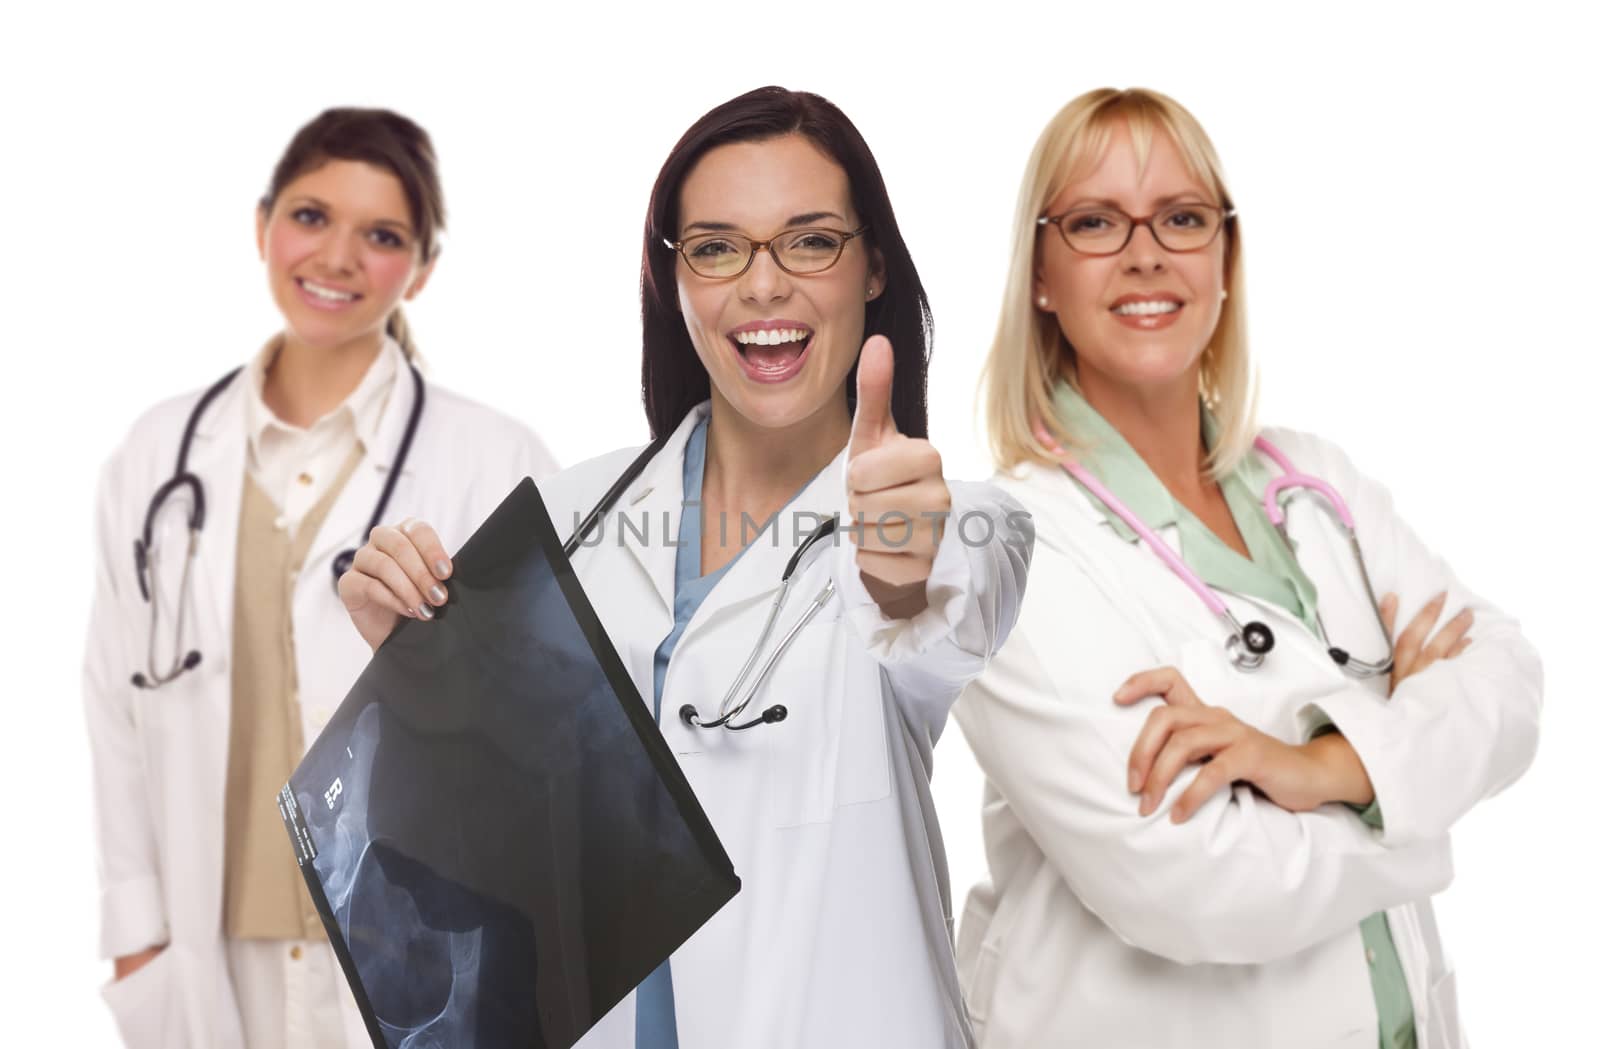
1248, 645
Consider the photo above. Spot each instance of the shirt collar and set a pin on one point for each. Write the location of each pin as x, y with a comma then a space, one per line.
1104, 452
364, 406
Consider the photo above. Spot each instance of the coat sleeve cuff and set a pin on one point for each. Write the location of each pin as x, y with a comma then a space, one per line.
131, 917
1357, 715
1371, 813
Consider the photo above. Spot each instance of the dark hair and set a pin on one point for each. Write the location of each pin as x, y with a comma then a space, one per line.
674, 380
386, 140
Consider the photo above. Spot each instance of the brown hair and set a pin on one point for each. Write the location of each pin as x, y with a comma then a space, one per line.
386, 140
674, 380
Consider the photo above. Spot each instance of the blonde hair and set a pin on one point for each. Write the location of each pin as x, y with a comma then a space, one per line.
1030, 354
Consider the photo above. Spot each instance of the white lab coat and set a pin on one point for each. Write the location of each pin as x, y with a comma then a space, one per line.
841, 933
160, 756
1237, 929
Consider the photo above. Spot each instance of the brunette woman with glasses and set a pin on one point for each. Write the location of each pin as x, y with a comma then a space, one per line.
784, 362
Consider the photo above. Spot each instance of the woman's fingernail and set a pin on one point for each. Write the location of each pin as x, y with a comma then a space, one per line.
1133, 781
436, 594
441, 568
424, 611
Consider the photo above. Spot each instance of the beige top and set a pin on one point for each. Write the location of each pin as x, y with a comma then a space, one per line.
263, 894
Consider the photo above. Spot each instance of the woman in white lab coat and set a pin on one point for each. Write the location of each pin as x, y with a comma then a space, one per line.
202, 696
770, 252
1182, 850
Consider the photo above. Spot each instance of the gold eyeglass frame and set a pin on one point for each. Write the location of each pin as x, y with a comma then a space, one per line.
845, 237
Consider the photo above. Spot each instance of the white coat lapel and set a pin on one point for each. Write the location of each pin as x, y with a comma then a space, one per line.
217, 457
647, 520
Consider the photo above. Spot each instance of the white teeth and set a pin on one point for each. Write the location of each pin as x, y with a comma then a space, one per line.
327, 294
1145, 309
771, 336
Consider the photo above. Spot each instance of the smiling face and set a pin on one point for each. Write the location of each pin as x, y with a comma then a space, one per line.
1139, 319
778, 347
341, 253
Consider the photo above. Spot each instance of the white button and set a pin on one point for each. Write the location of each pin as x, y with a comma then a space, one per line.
1372, 956
281, 523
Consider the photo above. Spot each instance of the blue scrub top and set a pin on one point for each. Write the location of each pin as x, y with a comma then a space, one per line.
656, 1019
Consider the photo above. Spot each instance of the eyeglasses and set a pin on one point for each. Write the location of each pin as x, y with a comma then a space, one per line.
802, 252
1106, 231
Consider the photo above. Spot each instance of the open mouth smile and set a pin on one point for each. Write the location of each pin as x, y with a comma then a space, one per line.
771, 351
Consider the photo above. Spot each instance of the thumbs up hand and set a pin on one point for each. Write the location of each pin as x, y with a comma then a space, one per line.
897, 496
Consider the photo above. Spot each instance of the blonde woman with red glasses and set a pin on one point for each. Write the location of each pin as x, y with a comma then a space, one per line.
1225, 744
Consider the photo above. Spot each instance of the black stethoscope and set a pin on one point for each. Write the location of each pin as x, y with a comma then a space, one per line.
144, 553
729, 710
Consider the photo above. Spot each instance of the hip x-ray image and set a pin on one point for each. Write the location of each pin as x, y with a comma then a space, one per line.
497, 837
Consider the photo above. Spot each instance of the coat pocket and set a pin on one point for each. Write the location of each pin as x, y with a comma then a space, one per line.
831, 749
143, 1004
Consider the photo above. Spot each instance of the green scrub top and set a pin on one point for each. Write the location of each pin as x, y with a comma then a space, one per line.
1270, 574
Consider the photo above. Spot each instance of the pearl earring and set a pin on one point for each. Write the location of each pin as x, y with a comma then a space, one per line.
1224, 294
1043, 302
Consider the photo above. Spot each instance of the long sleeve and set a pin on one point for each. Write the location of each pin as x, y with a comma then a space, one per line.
1461, 730
1242, 881
975, 591
132, 915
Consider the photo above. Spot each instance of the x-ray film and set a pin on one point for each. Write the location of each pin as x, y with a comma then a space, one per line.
498, 839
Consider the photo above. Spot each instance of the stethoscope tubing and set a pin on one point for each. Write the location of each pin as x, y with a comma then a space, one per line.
144, 555
1247, 644
689, 713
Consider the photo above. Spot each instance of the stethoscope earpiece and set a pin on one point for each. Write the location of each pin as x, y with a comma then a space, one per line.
771, 716
190, 661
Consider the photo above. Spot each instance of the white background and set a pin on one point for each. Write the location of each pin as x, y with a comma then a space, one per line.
1418, 190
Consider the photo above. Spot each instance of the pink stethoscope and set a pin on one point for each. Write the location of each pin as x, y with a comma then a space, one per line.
1248, 644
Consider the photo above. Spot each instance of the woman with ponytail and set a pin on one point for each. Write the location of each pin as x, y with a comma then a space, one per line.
219, 650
